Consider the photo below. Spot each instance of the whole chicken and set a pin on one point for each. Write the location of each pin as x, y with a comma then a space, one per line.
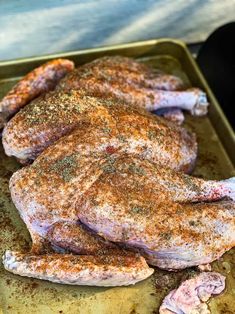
144, 207
121, 128
137, 85
104, 184
118, 77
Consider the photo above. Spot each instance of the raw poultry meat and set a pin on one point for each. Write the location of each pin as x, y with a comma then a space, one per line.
130, 71
192, 294
119, 77
106, 270
40, 80
116, 197
71, 156
77, 238
173, 114
101, 124
109, 81
171, 235
108, 189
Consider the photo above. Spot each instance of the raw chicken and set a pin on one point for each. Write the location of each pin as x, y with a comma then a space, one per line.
47, 76
104, 185
125, 200
100, 124
192, 294
171, 235
173, 114
109, 81
79, 269
40, 80
133, 72
76, 238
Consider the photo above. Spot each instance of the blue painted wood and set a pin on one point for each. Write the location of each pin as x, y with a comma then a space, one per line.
29, 28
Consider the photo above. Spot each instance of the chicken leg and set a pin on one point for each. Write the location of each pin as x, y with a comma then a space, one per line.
194, 100
170, 235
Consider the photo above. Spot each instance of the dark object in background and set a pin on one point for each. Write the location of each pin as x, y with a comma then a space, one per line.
216, 59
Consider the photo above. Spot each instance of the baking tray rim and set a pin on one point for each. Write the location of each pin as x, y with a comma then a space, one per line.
105, 48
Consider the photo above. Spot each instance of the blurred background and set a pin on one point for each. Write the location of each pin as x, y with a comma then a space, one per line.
30, 28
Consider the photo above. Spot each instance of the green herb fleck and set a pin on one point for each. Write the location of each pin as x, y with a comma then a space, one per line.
109, 168
65, 167
152, 98
122, 138
106, 130
94, 202
137, 209
152, 134
193, 223
166, 235
137, 169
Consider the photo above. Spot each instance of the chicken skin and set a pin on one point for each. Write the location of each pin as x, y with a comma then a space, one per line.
83, 270
107, 192
121, 128
138, 204
191, 296
40, 80
118, 77
136, 89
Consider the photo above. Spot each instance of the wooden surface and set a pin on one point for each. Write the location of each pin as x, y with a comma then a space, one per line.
29, 28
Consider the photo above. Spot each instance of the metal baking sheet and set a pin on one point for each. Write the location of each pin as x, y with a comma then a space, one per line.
216, 160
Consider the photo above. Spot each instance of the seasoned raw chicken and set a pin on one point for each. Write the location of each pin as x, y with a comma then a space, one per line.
173, 114
170, 235
133, 72
40, 80
101, 124
104, 184
125, 200
76, 238
130, 71
119, 77
192, 294
132, 87
106, 270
